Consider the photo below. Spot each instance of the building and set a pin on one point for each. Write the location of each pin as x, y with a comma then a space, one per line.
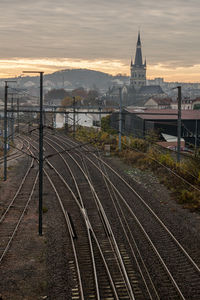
137, 92
140, 122
138, 69
158, 103
82, 117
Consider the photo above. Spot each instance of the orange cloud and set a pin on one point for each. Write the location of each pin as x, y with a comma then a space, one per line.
15, 67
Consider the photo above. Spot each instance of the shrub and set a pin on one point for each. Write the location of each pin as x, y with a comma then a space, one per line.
139, 144
167, 160
190, 199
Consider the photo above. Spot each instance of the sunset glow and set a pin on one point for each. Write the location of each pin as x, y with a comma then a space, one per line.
14, 67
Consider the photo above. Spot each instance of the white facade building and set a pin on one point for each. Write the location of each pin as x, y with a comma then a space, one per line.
83, 117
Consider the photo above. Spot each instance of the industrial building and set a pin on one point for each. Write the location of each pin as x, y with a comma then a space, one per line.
140, 122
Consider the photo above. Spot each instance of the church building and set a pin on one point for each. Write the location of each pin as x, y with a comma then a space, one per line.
138, 69
137, 92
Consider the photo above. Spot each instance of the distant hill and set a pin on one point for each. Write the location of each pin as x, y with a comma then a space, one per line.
70, 79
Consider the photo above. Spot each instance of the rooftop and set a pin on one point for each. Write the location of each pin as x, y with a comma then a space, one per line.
164, 114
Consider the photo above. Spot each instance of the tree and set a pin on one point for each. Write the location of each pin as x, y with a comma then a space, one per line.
56, 94
67, 101
105, 125
92, 95
79, 92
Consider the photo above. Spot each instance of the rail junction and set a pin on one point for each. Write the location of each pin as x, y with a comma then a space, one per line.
118, 244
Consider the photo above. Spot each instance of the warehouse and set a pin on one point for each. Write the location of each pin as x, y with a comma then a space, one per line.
139, 122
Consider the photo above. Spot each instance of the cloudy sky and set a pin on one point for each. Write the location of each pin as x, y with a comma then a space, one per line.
50, 35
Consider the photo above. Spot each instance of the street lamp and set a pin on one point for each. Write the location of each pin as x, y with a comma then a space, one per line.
40, 149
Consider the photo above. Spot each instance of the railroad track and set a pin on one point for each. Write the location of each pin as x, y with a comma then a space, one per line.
13, 213
102, 269
181, 279
14, 155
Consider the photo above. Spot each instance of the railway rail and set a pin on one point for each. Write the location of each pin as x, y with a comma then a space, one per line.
102, 259
14, 211
181, 268
120, 247
14, 155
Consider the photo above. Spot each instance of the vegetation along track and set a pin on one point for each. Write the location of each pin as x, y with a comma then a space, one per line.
180, 269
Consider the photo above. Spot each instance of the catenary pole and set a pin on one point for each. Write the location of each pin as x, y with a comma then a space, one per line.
195, 141
120, 119
41, 154
74, 118
5, 130
179, 124
12, 120
5, 127
18, 114
40, 151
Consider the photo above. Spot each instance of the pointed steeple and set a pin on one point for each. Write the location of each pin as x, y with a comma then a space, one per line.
145, 62
139, 41
131, 61
138, 69
138, 54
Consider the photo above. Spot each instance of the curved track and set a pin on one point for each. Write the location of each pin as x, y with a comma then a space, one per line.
101, 272
172, 264
121, 248
14, 211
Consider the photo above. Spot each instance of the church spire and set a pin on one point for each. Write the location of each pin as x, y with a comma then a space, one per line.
131, 61
138, 69
138, 54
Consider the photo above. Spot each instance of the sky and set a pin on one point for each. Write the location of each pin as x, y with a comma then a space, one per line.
49, 35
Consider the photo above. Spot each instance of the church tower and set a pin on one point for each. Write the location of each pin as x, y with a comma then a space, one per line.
138, 69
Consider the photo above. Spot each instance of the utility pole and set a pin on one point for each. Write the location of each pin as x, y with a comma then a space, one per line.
74, 119
18, 114
5, 130
12, 120
41, 154
53, 118
66, 122
100, 114
120, 119
5, 127
179, 125
40, 150
195, 141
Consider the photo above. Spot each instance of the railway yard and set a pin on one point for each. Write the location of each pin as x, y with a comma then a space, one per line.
106, 234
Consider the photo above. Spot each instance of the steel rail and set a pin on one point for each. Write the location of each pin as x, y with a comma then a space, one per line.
88, 226
70, 233
12, 155
140, 225
147, 206
18, 191
19, 220
128, 239
83, 213
155, 250
106, 222
147, 236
